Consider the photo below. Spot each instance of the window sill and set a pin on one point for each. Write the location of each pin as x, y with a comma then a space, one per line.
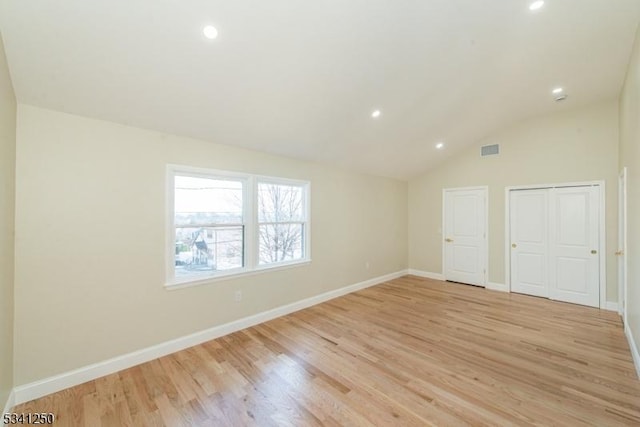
187, 283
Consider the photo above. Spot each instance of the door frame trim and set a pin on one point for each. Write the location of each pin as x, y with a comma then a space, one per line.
602, 241
622, 245
485, 189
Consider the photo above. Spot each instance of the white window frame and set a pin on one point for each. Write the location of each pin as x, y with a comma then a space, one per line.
250, 219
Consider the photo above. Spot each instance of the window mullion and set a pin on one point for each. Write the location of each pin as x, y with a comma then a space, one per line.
250, 221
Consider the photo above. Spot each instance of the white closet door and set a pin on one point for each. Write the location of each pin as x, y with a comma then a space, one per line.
529, 212
574, 242
465, 236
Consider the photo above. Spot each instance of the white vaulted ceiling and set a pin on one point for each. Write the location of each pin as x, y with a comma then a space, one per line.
301, 78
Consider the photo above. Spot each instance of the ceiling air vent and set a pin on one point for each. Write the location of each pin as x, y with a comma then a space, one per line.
490, 150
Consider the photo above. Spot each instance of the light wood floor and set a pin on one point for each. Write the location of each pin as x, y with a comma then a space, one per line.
410, 352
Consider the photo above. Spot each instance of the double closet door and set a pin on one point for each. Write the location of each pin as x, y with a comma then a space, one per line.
554, 250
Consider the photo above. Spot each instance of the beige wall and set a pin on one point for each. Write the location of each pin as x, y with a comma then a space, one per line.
630, 157
90, 227
570, 146
7, 206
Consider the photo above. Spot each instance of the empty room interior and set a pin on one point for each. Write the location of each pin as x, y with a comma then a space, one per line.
320, 213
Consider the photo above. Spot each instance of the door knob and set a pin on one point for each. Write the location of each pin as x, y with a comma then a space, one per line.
619, 253
593, 251
513, 245
448, 240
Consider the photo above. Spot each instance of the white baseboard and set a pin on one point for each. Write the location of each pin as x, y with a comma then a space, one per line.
634, 348
427, 274
497, 287
611, 306
11, 402
36, 389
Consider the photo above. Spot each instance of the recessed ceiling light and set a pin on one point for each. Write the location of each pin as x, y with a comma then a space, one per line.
557, 90
210, 32
536, 5
440, 145
376, 114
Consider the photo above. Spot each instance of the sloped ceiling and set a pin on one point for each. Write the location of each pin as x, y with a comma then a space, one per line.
301, 78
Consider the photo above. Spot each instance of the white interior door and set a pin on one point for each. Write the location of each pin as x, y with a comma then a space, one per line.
574, 244
465, 235
529, 242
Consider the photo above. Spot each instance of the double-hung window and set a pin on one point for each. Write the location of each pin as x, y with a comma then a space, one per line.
282, 222
224, 223
209, 225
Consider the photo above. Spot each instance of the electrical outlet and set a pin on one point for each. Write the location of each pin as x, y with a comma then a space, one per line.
366, 265
238, 296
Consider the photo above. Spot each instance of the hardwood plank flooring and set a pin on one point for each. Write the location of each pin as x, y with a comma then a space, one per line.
409, 352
